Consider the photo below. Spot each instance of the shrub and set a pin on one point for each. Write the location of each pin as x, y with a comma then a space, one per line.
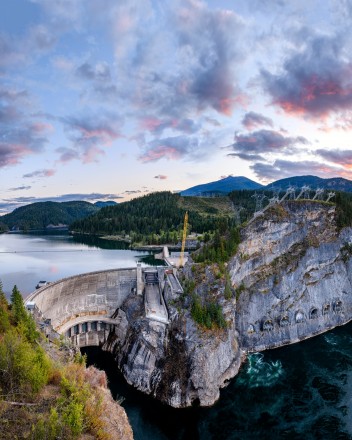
209, 315
23, 368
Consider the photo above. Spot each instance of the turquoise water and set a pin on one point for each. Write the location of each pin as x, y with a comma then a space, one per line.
302, 391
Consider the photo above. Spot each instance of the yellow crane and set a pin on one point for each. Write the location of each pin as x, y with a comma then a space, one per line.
184, 236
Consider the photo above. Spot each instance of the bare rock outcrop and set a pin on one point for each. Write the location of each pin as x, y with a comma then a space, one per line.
291, 278
177, 363
293, 272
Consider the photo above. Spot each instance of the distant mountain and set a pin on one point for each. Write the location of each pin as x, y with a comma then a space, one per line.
43, 215
221, 187
335, 183
101, 204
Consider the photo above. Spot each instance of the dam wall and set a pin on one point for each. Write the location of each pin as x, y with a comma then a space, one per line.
84, 304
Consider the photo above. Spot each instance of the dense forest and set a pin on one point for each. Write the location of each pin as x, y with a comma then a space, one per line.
343, 202
155, 218
40, 215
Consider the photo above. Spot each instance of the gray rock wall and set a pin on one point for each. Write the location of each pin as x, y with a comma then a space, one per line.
295, 279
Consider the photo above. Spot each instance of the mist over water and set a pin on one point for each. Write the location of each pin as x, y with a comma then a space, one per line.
302, 391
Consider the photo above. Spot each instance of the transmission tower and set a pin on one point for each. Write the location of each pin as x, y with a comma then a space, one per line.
238, 215
330, 196
288, 192
303, 192
292, 194
318, 192
274, 199
259, 198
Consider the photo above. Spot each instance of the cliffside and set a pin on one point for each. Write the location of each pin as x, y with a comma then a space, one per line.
178, 363
291, 280
294, 269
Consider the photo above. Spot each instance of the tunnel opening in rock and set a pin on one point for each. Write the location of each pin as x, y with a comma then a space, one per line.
268, 325
299, 317
313, 314
326, 309
284, 321
338, 306
251, 329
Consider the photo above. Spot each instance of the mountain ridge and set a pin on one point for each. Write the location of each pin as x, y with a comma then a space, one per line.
40, 215
222, 186
231, 183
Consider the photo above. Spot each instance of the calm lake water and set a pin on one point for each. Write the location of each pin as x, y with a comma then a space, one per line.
303, 391
26, 259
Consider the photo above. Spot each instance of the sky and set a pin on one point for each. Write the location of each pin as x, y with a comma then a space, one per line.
109, 100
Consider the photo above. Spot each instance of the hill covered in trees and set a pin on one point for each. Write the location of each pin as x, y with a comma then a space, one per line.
43, 214
157, 218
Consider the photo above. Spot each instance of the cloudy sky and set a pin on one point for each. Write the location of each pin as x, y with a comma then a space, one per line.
106, 99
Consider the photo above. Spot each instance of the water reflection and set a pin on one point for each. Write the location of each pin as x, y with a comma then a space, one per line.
27, 258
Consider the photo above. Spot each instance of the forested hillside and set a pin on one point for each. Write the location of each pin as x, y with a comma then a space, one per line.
40, 215
156, 217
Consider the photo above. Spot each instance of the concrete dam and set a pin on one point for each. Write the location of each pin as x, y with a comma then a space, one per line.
84, 307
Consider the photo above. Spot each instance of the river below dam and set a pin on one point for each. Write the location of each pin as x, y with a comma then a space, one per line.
302, 391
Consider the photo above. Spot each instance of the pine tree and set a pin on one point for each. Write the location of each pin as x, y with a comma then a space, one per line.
18, 309
3, 300
4, 312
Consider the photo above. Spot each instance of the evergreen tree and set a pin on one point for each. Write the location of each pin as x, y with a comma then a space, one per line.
24, 322
17, 306
4, 312
3, 299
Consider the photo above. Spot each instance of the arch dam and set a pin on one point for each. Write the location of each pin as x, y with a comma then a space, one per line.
84, 308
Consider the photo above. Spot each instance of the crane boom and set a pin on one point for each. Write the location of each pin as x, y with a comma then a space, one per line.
184, 236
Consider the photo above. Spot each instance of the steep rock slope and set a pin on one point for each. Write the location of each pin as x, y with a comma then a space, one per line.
177, 363
294, 272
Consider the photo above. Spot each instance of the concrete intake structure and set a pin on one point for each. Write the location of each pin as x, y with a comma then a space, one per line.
84, 307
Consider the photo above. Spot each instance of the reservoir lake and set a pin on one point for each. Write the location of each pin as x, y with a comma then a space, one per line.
302, 391
25, 259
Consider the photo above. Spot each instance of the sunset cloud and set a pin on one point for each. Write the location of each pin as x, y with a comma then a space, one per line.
281, 169
252, 120
338, 157
265, 141
89, 134
21, 134
160, 176
315, 79
40, 173
20, 188
169, 148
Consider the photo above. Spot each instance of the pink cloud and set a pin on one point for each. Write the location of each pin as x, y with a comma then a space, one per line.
161, 152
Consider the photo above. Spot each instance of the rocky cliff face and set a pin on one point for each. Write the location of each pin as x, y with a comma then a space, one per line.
293, 271
293, 279
177, 363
